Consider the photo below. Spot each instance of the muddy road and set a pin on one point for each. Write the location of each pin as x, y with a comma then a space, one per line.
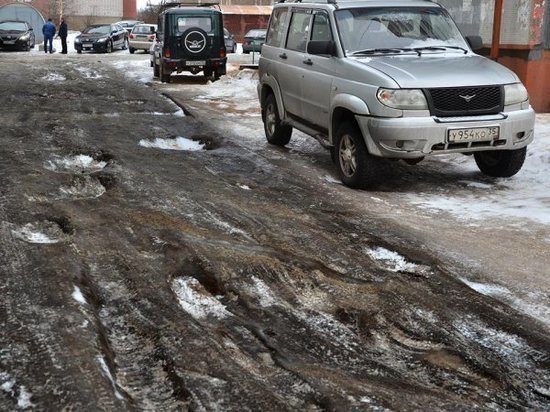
232, 277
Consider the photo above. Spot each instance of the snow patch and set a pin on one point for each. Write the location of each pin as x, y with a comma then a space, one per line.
392, 260
78, 296
38, 233
24, 399
178, 143
263, 292
244, 187
54, 77
487, 289
88, 73
196, 301
107, 373
330, 179
77, 163
84, 188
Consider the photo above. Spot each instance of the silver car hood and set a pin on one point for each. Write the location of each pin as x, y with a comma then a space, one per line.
441, 70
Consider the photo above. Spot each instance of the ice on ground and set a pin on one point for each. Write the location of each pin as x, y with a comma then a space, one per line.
330, 179
392, 260
244, 187
78, 296
24, 398
195, 300
74, 163
487, 289
54, 77
89, 73
239, 92
262, 292
139, 70
177, 143
46, 233
84, 188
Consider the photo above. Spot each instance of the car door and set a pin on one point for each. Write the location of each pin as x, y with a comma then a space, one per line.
291, 75
318, 75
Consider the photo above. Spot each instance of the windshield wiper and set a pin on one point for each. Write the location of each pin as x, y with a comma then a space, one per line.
374, 51
440, 48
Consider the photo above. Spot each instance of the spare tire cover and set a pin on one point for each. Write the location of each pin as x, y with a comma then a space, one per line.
196, 43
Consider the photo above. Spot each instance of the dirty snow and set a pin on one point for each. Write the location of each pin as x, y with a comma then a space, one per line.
195, 300
74, 163
32, 234
107, 373
54, 77
8, 385
177, 143
392, 260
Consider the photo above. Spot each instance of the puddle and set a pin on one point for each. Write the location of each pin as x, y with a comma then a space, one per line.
177, 143
79, 163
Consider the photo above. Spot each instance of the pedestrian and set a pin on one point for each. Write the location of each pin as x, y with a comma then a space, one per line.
48, 30
62, 34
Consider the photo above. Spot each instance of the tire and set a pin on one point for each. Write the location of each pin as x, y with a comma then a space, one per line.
357, 168
500, 163
79, 51
132, 50
234, 49
109, 48
125, 44
275, 132
207, 73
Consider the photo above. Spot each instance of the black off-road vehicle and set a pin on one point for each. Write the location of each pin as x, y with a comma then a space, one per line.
189, 39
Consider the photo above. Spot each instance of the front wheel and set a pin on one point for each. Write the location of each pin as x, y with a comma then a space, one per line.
109, 47
500, 163
357, 168
275, 132
132, 50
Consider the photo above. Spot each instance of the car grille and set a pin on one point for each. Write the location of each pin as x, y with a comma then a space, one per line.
462, 101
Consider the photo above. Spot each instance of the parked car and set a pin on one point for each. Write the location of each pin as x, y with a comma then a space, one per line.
253, 40
396, 81
230, 42
142, 37
16, 35
103, 38
189, 39
128, 25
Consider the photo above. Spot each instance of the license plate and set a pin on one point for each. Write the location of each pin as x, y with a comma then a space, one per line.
87, 44
473, 134
9, 41
196, 63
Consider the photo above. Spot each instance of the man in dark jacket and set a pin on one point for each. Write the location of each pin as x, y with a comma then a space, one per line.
48, 30
62, 34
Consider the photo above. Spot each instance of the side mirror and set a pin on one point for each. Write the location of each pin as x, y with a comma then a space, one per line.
31, 29
322, 47
475, 42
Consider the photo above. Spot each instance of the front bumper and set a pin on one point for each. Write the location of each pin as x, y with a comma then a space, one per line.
97, 47
14, 44
140, 45
414, 137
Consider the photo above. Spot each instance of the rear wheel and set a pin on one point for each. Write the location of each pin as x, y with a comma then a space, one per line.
500, 163
357, 168
132, 50
156, 71
164, 75
275, 132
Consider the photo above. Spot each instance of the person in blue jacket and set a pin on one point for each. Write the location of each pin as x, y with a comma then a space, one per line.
62, 33
48, 30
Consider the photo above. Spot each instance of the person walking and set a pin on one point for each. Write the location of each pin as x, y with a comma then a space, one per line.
48, 30
62, 34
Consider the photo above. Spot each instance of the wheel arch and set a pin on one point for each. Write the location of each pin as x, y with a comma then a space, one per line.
268, 85
344, 108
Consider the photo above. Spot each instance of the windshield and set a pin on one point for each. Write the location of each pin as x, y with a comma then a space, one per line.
13, 25
364, 29
98, 30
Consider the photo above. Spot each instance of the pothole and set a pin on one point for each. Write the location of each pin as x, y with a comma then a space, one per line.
78, 163
174, 143
43, 232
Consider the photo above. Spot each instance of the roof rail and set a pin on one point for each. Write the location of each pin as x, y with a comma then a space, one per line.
309, 1
191, 3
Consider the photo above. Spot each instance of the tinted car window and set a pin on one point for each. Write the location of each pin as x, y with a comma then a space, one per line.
276, 30
298, 31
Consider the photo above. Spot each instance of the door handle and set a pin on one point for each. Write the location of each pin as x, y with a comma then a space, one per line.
283, 56
308, 62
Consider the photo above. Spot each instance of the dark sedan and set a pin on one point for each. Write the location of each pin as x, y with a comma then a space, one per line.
16, 35
103, 38
253, 40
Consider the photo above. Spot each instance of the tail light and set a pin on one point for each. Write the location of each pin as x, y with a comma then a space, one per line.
167, 54
131, 36
222, 52
151, 37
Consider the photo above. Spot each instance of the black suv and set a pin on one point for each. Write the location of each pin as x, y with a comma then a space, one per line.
189, 39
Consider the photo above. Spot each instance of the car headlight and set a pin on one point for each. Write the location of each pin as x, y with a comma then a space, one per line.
102, 40
515, 93
404, 99
77, 40
25, 37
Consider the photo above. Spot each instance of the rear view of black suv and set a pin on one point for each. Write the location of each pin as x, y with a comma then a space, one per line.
189, 39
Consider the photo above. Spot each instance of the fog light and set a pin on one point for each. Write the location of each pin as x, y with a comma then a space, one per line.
520, 135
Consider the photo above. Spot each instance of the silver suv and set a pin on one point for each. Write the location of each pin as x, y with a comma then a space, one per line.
389, 79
